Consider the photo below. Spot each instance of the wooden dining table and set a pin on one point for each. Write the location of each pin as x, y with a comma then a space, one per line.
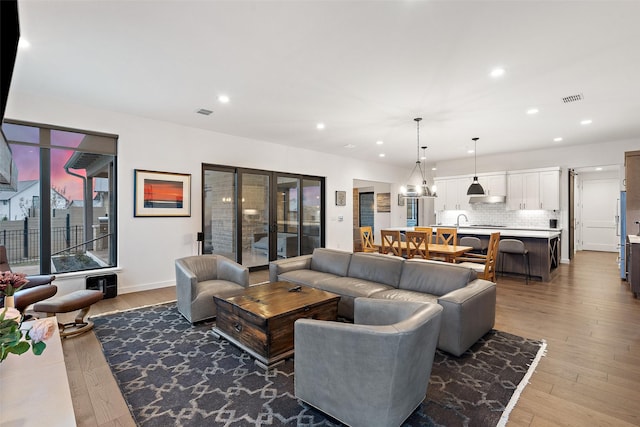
448, 252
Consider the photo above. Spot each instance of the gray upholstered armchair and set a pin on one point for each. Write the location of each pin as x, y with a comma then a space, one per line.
199, 278
374, 372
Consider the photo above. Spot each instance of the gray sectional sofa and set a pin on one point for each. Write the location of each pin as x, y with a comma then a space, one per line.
469, 303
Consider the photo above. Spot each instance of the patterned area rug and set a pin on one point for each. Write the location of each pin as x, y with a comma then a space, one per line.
173, 373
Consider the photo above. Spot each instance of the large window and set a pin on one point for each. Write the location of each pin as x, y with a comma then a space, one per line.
62, 215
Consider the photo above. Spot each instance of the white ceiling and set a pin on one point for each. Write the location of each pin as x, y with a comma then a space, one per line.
364, 68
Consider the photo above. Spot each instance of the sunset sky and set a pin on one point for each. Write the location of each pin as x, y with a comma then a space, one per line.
27, 160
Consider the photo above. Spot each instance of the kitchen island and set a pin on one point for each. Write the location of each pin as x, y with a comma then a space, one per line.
543, 245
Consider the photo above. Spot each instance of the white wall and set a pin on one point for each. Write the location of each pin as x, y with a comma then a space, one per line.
147, 247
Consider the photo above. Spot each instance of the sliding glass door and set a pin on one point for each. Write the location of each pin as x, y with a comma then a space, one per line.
255, 201
254, 216
219, 212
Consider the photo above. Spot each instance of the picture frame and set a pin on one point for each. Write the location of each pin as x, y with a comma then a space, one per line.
400, 200
341, 198
383, 202
161, 194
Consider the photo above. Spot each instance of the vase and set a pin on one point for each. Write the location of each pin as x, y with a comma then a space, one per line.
9, 301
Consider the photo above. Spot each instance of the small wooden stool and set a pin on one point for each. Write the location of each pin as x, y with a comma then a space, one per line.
78, 300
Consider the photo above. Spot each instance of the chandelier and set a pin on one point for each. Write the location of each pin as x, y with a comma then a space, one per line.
417, 183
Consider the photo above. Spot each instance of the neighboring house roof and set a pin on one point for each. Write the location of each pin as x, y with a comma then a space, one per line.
22, 186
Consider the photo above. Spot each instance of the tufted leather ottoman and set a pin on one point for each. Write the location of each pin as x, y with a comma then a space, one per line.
78, 300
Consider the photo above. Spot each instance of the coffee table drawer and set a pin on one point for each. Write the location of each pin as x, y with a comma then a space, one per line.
243, 331
281, 328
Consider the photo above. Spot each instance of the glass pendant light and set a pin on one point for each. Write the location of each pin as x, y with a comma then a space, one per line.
475, 189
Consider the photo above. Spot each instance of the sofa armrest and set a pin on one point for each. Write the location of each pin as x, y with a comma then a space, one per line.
468, 314
290, 264
233, 272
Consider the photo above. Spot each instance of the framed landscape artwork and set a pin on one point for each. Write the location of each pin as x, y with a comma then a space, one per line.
161, 193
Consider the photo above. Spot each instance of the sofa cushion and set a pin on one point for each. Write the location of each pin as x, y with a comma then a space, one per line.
352, 287
331, 261
434, 278
305, 277
405, 295
376, 268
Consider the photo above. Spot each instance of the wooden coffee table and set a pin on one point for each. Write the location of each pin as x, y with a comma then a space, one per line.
260, 319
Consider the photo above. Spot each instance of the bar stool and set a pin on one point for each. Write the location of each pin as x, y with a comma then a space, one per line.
475, 243
516, 247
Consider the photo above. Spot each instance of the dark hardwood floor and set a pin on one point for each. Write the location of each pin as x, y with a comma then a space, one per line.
590, 375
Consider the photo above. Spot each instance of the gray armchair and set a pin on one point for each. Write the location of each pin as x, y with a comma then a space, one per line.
199, 278
374, 372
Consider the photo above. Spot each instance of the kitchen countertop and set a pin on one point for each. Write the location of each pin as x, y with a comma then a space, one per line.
510, 232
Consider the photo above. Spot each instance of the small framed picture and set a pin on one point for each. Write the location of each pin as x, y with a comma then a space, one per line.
400, 200
341, 198
161, 193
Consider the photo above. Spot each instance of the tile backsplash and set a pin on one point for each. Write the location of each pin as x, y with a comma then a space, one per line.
497, 214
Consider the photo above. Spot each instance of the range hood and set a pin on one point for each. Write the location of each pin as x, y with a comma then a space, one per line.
487, 199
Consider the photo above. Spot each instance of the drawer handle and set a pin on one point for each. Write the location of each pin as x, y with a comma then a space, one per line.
237, 327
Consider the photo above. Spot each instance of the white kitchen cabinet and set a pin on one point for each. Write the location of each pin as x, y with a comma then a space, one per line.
533, 190
550, 190
452, 194
494, 185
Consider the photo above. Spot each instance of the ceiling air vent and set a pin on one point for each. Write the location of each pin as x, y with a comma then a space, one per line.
204, 112
573, 98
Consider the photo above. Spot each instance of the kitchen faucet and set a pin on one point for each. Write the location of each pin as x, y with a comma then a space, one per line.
458, 219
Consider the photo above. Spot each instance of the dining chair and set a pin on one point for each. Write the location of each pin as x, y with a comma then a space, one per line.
427, 230
391, 242
417, 244
484, 265
446, 236
366, 237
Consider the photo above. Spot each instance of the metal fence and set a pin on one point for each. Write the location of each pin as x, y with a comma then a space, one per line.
23, 242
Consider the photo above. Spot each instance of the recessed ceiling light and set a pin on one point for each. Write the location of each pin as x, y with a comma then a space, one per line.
379, 142
320, 126
204, 111
381, 155
470, 151
349, 146
423, 157
531, 111
557, 139
497, 72
598, 168
23, 43
434, 169
586, 122
223, 99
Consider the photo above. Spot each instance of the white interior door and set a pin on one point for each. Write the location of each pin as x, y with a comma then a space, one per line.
599, 203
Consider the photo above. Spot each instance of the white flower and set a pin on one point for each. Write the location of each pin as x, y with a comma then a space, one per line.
42, 330
12, 313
